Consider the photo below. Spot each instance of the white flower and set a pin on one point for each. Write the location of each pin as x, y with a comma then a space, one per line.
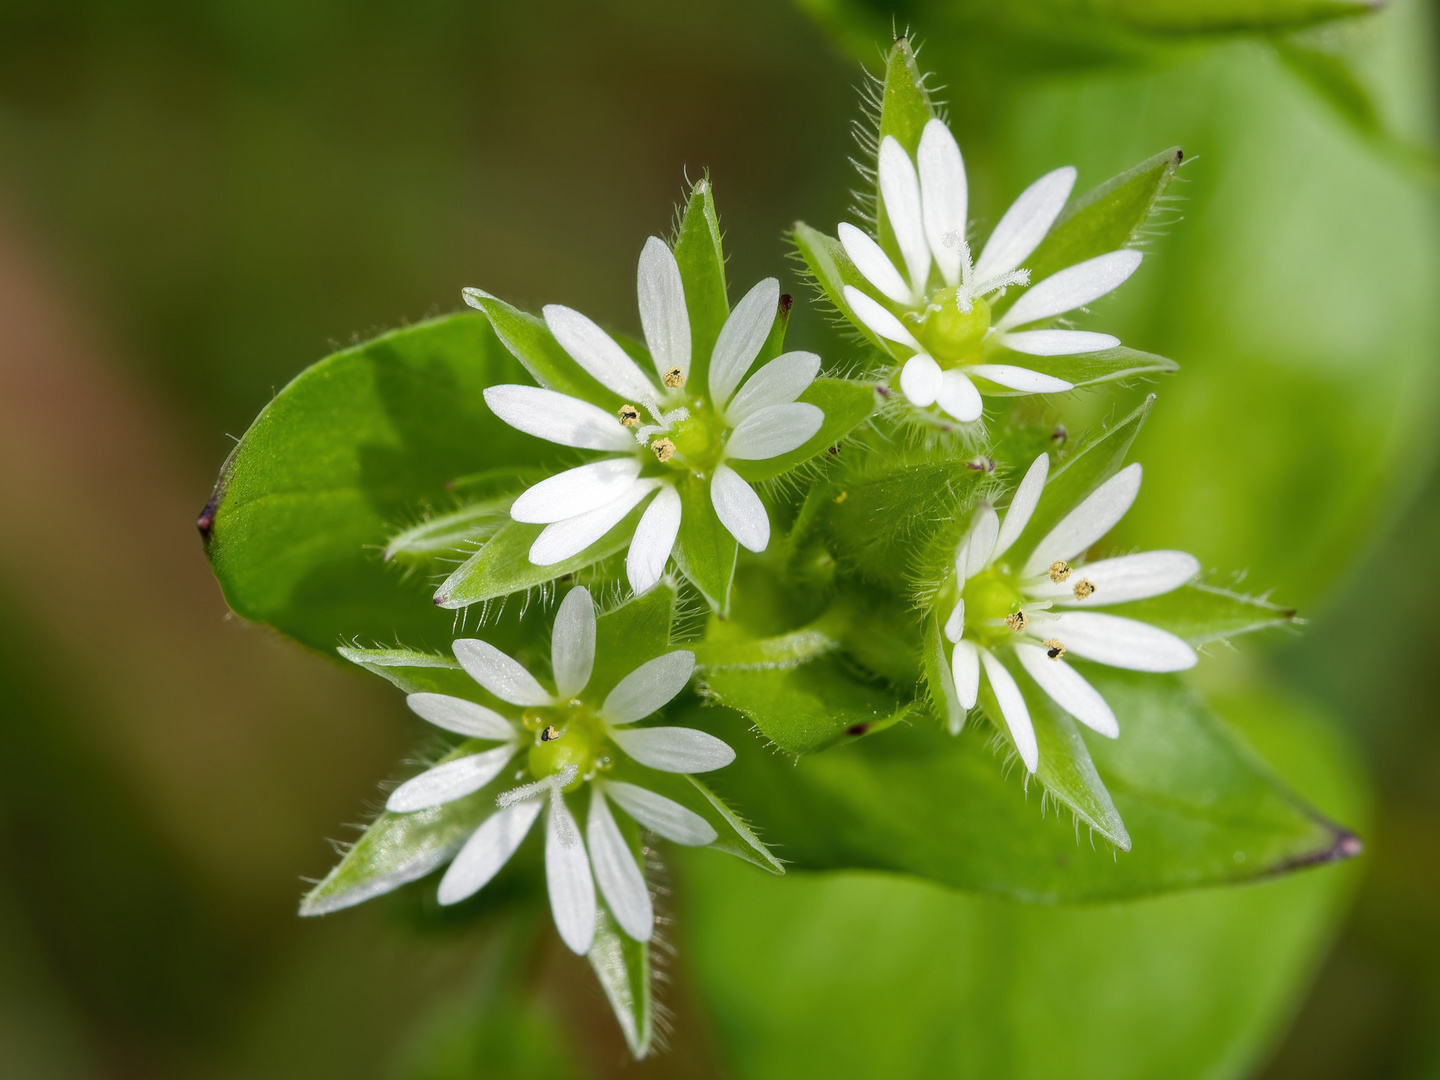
566, 739
666, 429
949, 330
1037, 610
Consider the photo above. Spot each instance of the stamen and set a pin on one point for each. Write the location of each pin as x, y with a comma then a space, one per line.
1054, 648
552, 783
549, 734
1084, 589
674, 378
664, 449
1059, 571
1017, 621
629, 416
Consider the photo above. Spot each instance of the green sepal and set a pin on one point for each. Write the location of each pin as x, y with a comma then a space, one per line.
622, 965
940, 680
846, 405
416, 672
809, 707
1083, 369
733, 836
503, 565
1066, 769
905, 109
530, 341
1092, 463
400, 848
702, 271
1202, 614
456, 530
704, 551
628, 636
824, 256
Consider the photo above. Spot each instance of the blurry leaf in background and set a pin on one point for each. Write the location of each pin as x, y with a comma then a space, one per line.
869, 975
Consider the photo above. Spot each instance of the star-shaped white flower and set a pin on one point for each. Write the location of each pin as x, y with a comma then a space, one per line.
1039, 610
942, 318
667, 428
568, 748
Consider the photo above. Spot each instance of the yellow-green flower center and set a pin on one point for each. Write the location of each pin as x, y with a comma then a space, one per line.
950, 335
565, 735
991, 597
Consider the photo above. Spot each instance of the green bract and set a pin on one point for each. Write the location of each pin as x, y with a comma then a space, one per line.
834, 560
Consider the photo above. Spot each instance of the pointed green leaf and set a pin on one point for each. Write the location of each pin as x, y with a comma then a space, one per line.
1202, 614
702, 270
400, 848
705, 551
444, 533
623, 966
628, 636
354, 445
1084, 369
503, 565
846, 405
772, 653
530, 341
417, 672
825, 258
905, 106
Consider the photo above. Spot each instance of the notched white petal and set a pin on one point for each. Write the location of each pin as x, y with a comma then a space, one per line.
461, 716
1025, 224
449, 781
944, 197
980, 545
1057, 342
662, 308
1013, 709
779, 382
576, 491
874, 265
1088, 522
741, 339
739, 509
1068, 688
596, 352
654, 540
870, 312
774, 430
965, 667
1121, 642
900, 192
617, 873
1120, 580
1022, 506
1070, 288
572, 642
498, 673
958, 396
955, 624
1018, 378
558, 418
487, 851
661, 815
674, 749
563, 539
651, 686
921, 381
567, 874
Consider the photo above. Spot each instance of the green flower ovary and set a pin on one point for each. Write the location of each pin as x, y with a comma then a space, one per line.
990, 596
697, 439
566, 735
950, 335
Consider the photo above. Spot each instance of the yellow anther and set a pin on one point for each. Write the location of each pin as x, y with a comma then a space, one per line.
1059, 571
549, 734
674, 378
1054, 648
629, 416
1084, 589
664, 449
1017, 621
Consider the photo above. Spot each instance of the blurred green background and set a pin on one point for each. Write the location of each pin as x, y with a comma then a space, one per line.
199, 199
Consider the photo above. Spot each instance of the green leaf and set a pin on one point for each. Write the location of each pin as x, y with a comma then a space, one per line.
927, 804
705, 551
1084, 369
733, 836
444, 533
417, 672
1212, 16
503, 565
1104, 219
824, 256
353, 446
1202, 614
400, 848
905, 109
702, 271
768, 654
628, 636
530, 341
623, 966
846, 405
808, 707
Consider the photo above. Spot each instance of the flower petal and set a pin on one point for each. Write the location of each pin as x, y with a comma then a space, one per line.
1120, 580
674, 749
1088, 522
944, 196
1071, 288
488, 849
980, 544
661, 815
654, 540
921, 380
617, 873
1068, 689
958, 396
874, 264
498, 673
955, 624
741, 339
1019, 378
461, 716
1022, 504
662, 308
573, 535
1057, 342
900, 191
965, 667
774, 430
883, 324
558, 418
567, 874
572, 642
596, 352
649, 687
1013, 709
576, 491
739, 508
1025, 224
450, 780
779, 382
1122, 643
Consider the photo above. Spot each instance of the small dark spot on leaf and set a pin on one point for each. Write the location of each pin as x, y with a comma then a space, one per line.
981, 464
786, 303
857, 729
